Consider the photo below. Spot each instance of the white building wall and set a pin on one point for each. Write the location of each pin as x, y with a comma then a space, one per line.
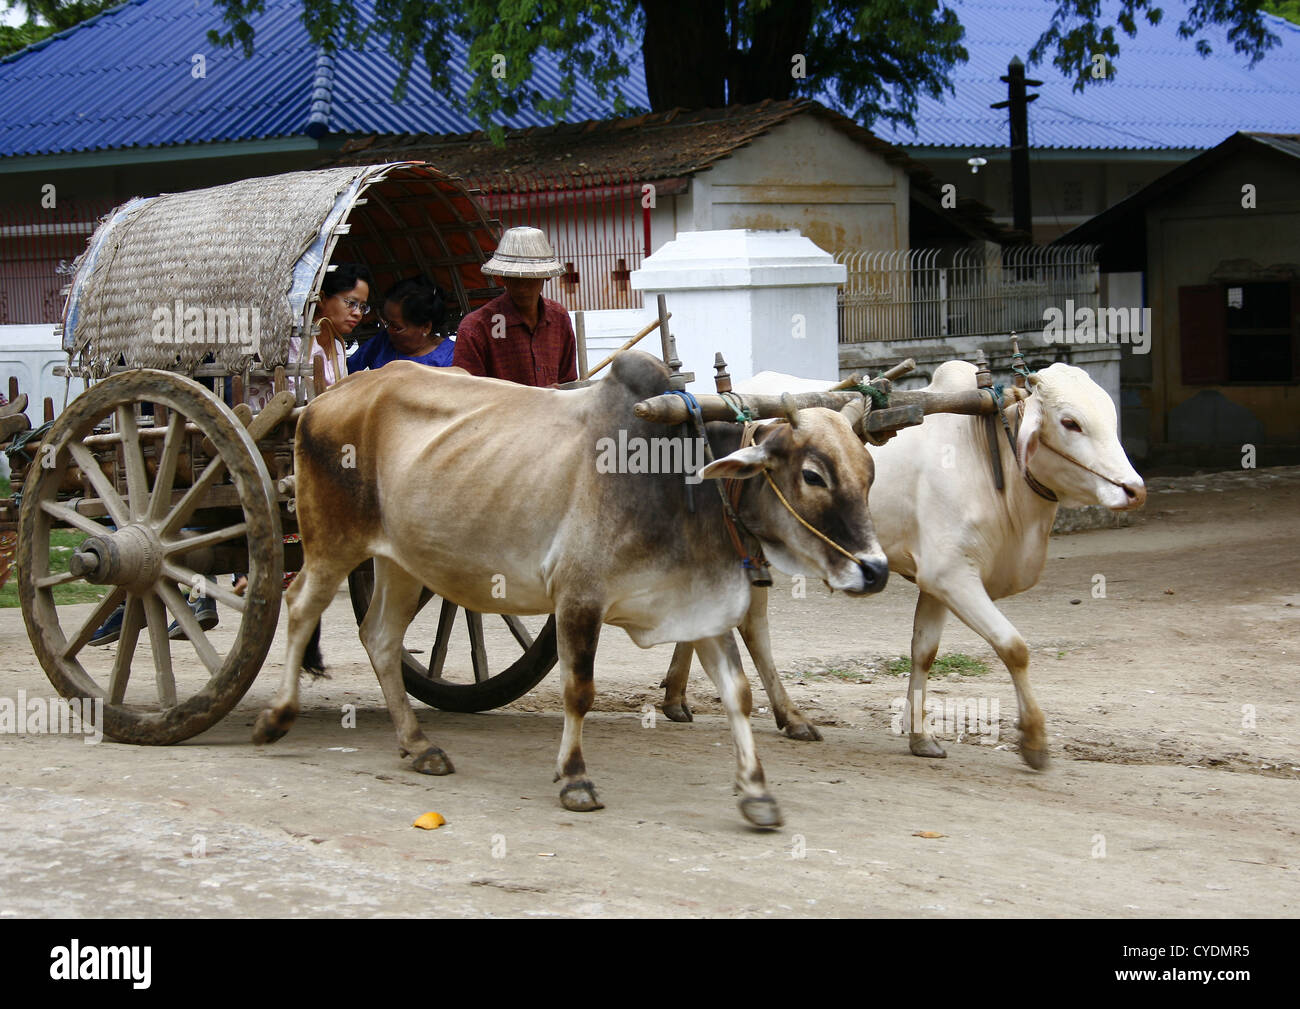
808, 176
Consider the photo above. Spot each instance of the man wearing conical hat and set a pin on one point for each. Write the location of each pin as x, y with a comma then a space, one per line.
520, 336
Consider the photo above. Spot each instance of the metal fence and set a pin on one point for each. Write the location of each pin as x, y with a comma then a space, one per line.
600, 231
920, 294
37, 247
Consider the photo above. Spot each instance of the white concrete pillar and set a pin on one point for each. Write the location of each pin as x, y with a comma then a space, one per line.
766, 299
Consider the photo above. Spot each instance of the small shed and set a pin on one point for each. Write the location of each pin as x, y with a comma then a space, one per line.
1212, 250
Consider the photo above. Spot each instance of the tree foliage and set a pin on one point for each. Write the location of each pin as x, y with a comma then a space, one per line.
1077, 34
44, 18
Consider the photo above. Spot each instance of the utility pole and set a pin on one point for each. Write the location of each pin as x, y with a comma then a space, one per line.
1018, 102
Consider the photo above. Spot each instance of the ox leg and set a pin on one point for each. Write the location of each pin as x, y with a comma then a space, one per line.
927, 629
758, 641
973, 607
392, 608
675, 707
578, 632
721, 661
308, 596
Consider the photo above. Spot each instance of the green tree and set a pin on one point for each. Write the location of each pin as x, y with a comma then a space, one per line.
1289, 9
873, 57
44, 18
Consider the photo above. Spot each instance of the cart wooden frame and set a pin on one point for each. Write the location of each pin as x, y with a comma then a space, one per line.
173, 477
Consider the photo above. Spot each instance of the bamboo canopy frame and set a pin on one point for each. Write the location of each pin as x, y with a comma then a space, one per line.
264, 246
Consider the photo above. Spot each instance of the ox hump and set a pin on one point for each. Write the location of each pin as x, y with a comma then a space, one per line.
640, 373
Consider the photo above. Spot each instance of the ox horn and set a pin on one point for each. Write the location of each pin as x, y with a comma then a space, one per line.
787, 404
854, 413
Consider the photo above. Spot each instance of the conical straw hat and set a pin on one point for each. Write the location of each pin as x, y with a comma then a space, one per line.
523, 253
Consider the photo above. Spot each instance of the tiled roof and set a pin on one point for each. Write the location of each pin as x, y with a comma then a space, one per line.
1163, 94
124, 79
654, 147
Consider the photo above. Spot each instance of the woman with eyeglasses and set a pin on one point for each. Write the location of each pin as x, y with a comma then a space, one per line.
413, 316
343, 303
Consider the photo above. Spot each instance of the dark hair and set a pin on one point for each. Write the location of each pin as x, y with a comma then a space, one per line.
343, 278
422, 303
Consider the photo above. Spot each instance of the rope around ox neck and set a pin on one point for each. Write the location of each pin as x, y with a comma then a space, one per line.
800, 519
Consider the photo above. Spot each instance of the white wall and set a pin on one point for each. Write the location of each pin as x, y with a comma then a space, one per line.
32, 353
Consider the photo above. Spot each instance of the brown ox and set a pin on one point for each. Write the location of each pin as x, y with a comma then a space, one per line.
460, 482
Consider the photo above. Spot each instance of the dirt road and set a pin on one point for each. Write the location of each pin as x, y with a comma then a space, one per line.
1171, 707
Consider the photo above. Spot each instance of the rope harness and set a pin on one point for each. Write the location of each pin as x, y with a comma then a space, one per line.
729, 491
1036, 486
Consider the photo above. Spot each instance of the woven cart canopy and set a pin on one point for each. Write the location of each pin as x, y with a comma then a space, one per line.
226, 275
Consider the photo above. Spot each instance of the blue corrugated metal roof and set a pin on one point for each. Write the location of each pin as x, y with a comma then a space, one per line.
123, 79
1163, 95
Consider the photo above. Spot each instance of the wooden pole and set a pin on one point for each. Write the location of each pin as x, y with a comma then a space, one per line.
649, 328
580, 333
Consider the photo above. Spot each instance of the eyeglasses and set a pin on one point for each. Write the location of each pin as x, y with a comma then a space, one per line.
352, 303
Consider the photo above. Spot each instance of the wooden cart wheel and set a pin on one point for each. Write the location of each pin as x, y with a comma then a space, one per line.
142, 549
476, 688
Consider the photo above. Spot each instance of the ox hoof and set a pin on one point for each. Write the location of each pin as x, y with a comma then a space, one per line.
433, 761
926, 747
580, 797
272, 724
803, 730
1037, 759
678, 712
761, 812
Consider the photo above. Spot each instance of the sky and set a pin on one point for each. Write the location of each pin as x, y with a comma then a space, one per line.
16, 16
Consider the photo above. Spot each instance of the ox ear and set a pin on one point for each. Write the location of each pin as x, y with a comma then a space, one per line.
740, 465
1027, 442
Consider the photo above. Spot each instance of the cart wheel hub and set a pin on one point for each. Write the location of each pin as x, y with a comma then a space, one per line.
132, 557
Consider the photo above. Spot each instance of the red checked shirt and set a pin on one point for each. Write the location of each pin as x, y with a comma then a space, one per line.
543, 356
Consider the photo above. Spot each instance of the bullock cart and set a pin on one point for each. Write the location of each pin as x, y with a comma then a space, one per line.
175, 464
183, 309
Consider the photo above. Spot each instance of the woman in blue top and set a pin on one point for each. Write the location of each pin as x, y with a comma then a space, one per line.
413, 317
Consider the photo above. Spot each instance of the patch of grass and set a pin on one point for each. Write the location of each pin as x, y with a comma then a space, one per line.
953, 664
62, 544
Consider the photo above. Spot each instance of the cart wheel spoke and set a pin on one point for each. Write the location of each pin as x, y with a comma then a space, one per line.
97, 616
62, 578
180, 609
131, 621
204, 539
85, 459
210, 588
438, 656
164, 679
184, 508
73, 518
161, 498
137, 480
477, 649
517, 628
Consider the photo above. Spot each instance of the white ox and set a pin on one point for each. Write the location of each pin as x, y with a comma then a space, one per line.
945, 526
465, 484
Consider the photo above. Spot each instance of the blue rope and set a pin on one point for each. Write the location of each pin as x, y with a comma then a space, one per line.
692, 404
